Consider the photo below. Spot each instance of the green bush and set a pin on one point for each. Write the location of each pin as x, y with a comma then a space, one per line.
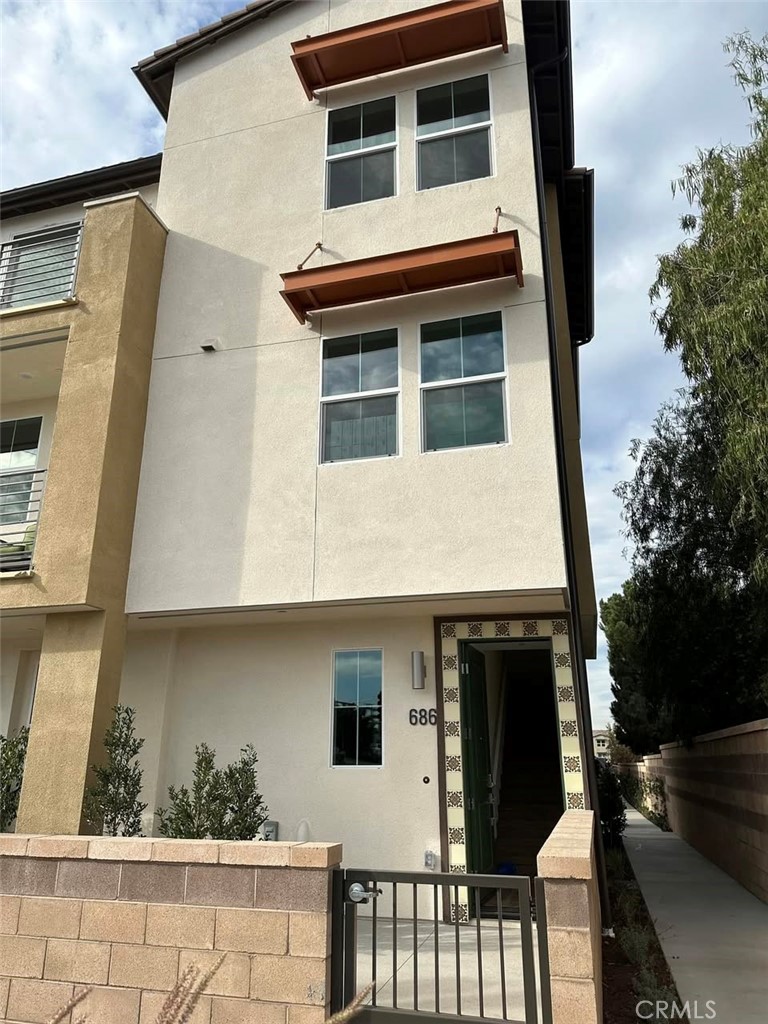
12, 755
222, 804
613, 818
113, 805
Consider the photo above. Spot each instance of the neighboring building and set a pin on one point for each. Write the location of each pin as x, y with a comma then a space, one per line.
601, 748
350, 470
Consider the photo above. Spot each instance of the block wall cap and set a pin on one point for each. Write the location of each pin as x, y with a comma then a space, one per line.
569, 850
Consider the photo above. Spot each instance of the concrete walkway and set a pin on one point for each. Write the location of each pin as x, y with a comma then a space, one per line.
713, 932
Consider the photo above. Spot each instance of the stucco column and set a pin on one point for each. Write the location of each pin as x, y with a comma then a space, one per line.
77, 686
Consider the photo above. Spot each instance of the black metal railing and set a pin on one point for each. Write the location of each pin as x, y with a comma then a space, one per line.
449, 945
39, 266
21, 496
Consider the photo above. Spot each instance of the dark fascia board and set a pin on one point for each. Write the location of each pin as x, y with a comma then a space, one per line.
577, 231
547, 31
156, 72
78, 188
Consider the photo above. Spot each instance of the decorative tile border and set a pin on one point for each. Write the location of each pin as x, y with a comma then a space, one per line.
555, 630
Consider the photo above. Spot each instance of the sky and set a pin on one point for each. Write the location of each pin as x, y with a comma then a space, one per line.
651, 84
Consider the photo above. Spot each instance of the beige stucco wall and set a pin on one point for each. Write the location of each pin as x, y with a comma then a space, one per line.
272, 686
233, 508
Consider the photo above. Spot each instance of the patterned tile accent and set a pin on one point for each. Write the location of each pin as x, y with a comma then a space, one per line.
460, 911
450, 661
530, 628
458, 869
456, 799
559, 627
565, 693
501, 628
453, 763
452, 729
562, 661
448, 629
575, 801
451, 695
474, 629
456, 835
570, 763
568, 729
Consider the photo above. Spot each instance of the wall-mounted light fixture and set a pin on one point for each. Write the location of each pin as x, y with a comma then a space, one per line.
418, 670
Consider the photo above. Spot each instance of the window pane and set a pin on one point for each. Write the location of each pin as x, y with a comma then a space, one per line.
341, 365
345, 674
15, 493
470, 101
345, 182
434, 109
345, 735
344, 130
19, 441
360, 429
437, 164
472, 155
378, 171
441, 350
379, 122
369, 736
482, 344
370, 678
444, 418
378, 360
484, 412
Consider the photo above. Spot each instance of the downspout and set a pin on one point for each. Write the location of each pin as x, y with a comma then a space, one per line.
582, 692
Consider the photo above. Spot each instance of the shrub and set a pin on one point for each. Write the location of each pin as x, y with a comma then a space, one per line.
12, 755
613, 818
113, 805
636, 943
223, 803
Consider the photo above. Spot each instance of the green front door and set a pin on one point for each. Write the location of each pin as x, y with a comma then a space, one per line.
476, 761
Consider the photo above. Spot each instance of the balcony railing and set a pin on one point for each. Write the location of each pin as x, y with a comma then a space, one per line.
40, 266
21, 495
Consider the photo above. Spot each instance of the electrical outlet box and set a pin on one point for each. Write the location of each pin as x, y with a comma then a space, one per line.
269, 830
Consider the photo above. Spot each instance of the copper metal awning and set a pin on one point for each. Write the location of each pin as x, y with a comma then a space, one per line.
403, 273
401, 41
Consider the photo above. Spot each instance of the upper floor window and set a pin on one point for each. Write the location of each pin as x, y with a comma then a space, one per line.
360, 163
359, 396
357, 684
39, 266
457, 414
19, 444
453, 132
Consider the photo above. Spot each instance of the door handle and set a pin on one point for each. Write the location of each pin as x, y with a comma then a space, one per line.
357, 893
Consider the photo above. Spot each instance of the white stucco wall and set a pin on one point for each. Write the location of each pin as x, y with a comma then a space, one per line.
233, 507
271, 686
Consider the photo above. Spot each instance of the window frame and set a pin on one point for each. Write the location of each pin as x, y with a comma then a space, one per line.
328, 158
352, 396
354, 767
9, 263
455, 382
445, 133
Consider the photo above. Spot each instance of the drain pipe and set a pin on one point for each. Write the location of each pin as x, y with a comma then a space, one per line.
582, 692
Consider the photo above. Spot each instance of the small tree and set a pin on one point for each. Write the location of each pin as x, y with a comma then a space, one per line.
113, 803
619, 752
12, 755
223, 804
613, 817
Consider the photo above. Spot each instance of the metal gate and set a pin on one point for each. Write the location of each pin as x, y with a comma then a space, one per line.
457, 947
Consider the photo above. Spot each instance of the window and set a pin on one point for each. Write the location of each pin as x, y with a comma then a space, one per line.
363, 427
457, 414
39, 266
19, 442
357, 707
360, 164
453, 132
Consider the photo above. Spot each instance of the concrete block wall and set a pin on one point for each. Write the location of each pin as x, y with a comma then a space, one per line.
566, 862
717, 798
127, 916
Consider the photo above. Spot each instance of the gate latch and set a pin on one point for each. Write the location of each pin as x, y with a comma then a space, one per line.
357, 893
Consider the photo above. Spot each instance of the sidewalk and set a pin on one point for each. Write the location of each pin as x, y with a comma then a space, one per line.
713, 932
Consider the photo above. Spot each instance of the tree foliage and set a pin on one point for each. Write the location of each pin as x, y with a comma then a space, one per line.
13, 752
688, 634
113, 804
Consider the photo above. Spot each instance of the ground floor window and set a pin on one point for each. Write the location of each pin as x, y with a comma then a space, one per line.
357, 679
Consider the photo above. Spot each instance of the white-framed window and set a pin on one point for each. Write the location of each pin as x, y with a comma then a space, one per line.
463, 380
19, 446
357, 693
453, 132
39, 266
361, 153
359, 396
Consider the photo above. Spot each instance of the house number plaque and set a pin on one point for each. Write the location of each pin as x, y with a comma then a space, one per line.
422, 716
